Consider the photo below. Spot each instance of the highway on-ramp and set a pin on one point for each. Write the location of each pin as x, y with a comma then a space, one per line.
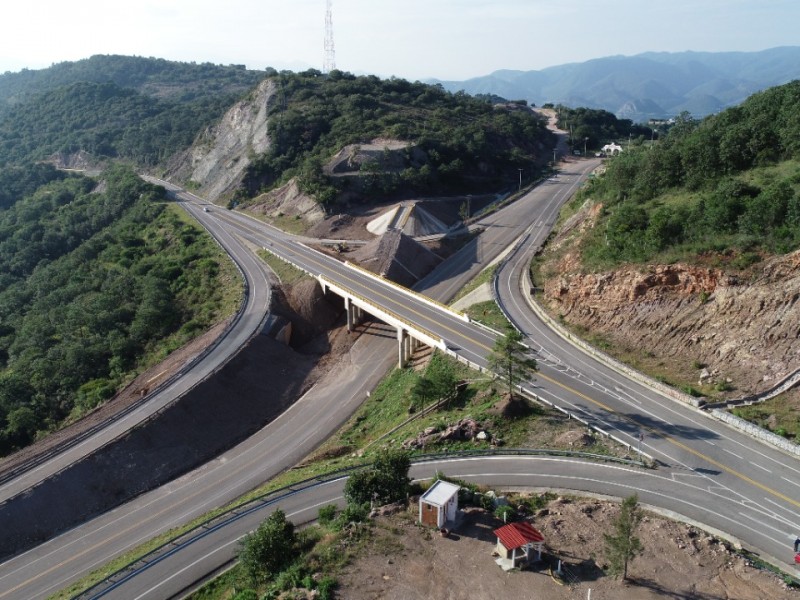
753, 484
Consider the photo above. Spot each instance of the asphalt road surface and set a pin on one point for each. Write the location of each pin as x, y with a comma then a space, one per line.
726, 477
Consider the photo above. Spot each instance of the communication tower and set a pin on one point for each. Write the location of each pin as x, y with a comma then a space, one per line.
329, 62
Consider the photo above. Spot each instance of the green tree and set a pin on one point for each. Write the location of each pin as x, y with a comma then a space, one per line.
422, 391
508, 358
384, 482
269, 549
622, 545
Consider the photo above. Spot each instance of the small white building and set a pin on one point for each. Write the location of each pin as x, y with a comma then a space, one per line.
612, 148
439, 504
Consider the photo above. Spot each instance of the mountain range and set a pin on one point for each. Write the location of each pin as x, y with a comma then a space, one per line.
653, 85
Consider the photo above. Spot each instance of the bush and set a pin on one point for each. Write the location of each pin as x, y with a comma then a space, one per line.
353, 513
327, 514
505, 513
326, 587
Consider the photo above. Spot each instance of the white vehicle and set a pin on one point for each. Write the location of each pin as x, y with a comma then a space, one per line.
206, 209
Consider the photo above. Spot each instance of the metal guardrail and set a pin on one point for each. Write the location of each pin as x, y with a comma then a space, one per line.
235, 513
74, 441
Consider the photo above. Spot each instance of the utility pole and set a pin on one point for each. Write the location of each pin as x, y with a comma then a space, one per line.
329, 61
520, 178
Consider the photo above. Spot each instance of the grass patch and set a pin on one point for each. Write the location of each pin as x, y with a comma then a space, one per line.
780, 415
288, 274
489, 314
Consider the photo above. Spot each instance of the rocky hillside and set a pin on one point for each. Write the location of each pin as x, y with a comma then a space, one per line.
218, 160
736, 331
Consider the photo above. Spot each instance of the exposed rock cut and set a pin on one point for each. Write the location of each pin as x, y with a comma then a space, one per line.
289, 201
747, 331
218, 159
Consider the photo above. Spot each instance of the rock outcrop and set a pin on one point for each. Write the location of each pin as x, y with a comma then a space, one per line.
217, 161
743, 328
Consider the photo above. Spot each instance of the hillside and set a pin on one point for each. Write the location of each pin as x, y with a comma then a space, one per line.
97, 281
294, 125
684, 256
650, 85
112, 107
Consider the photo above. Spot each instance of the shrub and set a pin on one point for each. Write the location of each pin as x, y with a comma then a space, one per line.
327, 514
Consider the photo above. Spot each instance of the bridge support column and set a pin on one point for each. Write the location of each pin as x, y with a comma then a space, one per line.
402, 340
348, 306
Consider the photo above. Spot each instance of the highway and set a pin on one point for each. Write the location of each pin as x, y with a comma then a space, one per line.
166, 575
253, 313
748, 487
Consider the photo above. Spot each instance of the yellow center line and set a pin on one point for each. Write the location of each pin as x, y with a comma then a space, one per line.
610, 410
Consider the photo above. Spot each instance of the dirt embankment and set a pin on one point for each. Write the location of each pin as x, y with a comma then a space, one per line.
741, 327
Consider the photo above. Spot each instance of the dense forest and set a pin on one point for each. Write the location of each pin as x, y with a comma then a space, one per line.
93, 279
462, 143
143, 110
729, 184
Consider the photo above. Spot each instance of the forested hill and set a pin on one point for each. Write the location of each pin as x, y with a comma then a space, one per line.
94, 282
178, 81
459, 142
141, 109
730, 182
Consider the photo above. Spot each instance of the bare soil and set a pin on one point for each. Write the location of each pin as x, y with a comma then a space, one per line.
405, 560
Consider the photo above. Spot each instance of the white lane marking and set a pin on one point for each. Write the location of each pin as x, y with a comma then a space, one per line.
734, 454
762, 523
791, 481
760, 467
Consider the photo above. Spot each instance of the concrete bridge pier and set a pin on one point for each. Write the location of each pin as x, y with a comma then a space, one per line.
406, 345
354, 314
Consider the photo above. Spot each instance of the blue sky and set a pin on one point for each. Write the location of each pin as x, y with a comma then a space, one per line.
413, 39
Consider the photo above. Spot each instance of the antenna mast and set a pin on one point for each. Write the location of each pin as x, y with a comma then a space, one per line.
329, 62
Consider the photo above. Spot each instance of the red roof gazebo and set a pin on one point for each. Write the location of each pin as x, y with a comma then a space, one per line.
520, 535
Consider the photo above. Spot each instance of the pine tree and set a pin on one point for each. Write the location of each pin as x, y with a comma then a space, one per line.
623, 546
508, 357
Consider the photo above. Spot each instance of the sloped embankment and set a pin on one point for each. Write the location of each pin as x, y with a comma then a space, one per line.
742, 327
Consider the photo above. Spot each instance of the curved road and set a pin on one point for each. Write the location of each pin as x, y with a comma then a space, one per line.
169, 575
755, 484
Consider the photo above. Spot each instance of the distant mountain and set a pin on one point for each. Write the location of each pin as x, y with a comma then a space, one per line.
649, 85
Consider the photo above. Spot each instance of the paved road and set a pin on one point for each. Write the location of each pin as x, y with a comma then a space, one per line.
254, 311
168, 577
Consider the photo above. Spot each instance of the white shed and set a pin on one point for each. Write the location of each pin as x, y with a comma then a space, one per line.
439, 504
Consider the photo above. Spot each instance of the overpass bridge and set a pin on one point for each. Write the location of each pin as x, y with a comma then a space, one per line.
409, 333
